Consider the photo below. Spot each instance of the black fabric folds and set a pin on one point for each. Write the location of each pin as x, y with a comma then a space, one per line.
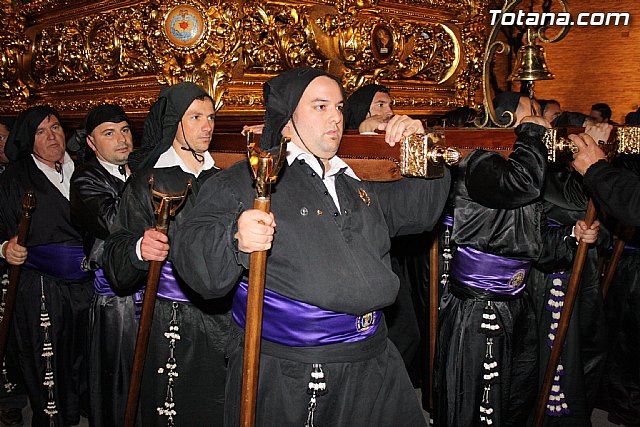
506, 101
281, 96
359, 103
22, 136
162, 121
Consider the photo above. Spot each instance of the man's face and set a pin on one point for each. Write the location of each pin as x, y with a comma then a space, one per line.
112, 142
4, 134
597, 116
196, 126
526, 108
552, 111
49, 142
318, 118
381, 105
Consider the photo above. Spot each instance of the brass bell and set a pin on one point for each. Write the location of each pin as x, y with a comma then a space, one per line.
531, 63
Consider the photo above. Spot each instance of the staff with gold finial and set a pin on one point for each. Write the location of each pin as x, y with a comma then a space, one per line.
28, 205
265, 171
165, 207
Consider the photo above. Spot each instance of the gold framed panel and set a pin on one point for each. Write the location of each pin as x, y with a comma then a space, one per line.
382, 43
184, 26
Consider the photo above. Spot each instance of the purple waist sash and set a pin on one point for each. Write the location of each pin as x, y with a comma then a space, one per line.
298, 324
168, 286
447, 220
490, 273
101, 284
58, 261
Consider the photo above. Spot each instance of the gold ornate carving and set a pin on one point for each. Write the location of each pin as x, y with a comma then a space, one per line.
425, 155
13, 45
85, 50
628, 139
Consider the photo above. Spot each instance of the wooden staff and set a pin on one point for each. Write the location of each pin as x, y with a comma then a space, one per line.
624, 233
28, 205
565, 317
265, 172
166, 207
434, 278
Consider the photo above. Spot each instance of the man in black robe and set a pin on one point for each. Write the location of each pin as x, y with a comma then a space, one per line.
12, 395
184, 377
54, 293
617, 190
370, 109
325, 353
486, 358
104, 146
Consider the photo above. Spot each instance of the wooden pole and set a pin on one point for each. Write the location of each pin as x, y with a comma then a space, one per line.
265, 170
624, 234
434, 286
253, 329
565, 317
28, 205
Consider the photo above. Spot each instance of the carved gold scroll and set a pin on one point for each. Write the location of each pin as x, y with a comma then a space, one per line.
77, 54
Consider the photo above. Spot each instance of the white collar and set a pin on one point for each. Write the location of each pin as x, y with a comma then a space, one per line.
54, 176
171, 158
113, 170
336, 164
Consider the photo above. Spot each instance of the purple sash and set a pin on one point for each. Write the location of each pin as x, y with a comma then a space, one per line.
168, 286
447, 220
297, 324
101, 284
58, 261
490, 273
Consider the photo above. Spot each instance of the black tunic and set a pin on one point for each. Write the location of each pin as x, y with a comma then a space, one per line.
617, 191
620, 392
95, 198
495, 212
198, 391
66, 301
584, 351
334, 260
12, 393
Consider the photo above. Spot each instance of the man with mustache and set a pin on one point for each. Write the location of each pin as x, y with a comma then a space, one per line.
54, 293
104, 146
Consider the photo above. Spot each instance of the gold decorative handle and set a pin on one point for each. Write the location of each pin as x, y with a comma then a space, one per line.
424, 155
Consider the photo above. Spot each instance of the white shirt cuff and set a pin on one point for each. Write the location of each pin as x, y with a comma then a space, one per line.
138, 250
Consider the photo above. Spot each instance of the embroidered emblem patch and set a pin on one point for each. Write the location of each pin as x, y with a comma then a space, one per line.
364, 196
517, 279
366, 321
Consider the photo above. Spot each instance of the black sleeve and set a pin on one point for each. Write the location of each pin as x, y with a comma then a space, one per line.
94, 204
499, 183
616, 190
203, 250
565, 190
120, 262
412, 205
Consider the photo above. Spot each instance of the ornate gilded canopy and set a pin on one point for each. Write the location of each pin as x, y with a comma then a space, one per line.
77, 54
